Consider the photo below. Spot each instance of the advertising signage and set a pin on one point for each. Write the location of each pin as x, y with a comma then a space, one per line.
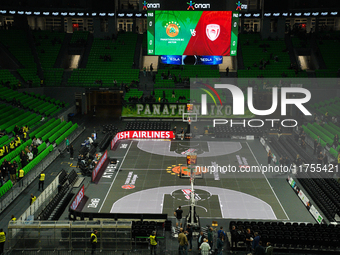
185, 5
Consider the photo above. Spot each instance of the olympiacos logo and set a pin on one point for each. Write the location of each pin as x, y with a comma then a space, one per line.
213, 31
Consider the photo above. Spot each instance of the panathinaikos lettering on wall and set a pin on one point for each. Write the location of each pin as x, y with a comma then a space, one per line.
167, 110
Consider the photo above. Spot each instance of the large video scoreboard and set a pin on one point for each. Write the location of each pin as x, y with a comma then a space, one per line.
212, 33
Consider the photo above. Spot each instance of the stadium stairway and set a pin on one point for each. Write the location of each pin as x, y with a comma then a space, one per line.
85, 56
289, 44
137, 57
18, 76
31, 43
66, 75
63, 51
317, 53
8, 60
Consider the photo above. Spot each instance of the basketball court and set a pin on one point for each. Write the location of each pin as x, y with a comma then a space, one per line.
150, 177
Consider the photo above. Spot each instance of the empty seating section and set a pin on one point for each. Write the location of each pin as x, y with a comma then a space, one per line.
227, 131
79, 37
11, 116
186, 72
6, 78
331, 105
48, 45
53, 76
108, 61
145, 125
329, 40
168, 95
6, 187
133, 93
300, 42
30, 75
34, 102
325, 192
252, 53
287, 236
16, 42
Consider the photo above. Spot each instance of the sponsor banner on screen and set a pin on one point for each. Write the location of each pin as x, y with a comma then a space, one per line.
142, 135
191, 60
78, 198
185, 5
99, 166
202, 33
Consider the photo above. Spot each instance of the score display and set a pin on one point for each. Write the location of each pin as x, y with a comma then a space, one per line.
212, 33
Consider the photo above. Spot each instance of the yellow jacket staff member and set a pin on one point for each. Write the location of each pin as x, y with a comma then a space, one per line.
2, 241
6, 149
2, 152
21, 175
17, 141
41, 181
12, 145
94, 241
153, 242
13, 218
33, 198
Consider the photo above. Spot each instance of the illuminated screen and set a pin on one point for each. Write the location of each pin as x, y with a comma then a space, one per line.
212, 33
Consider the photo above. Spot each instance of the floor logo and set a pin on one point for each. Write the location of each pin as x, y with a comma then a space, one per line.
130, 181
178, 169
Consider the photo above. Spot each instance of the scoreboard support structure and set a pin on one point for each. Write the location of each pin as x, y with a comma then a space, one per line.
192, 217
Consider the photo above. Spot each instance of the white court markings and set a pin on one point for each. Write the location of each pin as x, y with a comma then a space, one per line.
215, 148
268, 183
233, 204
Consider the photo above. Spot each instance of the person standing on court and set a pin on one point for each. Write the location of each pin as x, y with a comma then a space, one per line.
205, 247
189, 236
2, 241
71, 151
210, 237
153, 242
41, 181
270, 157
178, 214
94, 241
183, 242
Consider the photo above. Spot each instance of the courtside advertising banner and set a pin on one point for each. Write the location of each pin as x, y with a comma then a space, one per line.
78, 198
99, 165
142, 135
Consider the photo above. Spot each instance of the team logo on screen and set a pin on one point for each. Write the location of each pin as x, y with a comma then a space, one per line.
213, 31
172, 29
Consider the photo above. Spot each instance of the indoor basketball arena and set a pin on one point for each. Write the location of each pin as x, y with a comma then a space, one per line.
162, 127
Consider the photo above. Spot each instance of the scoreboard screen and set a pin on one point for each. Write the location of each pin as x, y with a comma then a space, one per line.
212, 33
